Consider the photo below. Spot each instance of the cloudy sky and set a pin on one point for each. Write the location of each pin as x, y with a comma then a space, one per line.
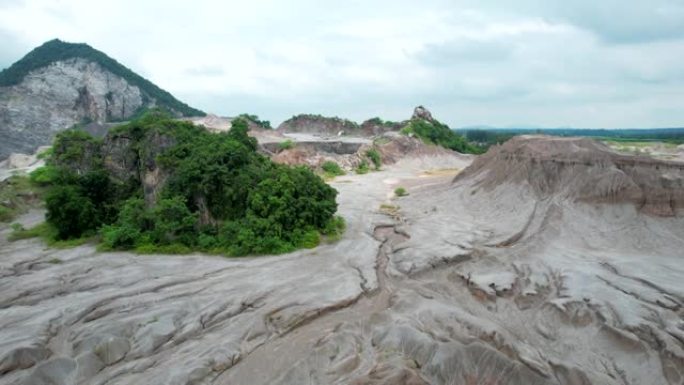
541, 63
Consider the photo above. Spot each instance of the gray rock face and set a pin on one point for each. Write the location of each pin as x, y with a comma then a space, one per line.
58, 96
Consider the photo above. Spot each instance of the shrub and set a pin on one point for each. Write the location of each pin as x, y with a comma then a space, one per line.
120, 237
332, 169
172, 222
286, 145
362, 168
374, 156
400, 192
6, 214
334, 228
44, 176
70, 212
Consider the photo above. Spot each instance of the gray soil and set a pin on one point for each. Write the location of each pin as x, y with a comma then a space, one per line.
463, 281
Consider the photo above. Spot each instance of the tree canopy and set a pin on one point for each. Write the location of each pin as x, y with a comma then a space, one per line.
218, 193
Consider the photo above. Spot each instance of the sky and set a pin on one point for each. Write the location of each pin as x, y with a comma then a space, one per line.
503, 63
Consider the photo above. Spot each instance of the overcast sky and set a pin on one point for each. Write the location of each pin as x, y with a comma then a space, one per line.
580, 63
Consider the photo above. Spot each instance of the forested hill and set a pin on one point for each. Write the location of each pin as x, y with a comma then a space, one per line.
57, 50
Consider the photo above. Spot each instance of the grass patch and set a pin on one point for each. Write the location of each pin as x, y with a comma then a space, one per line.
389, 209
173, 249
381, 140
17, 195
335, 228
55, 261
48, 234
43, 230
442, 171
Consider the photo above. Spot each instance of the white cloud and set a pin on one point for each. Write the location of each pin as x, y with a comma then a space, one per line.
550, 63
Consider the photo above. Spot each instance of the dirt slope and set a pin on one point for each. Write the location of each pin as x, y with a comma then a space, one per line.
583, 170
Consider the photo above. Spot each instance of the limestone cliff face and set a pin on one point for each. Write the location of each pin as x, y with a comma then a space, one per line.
58, 96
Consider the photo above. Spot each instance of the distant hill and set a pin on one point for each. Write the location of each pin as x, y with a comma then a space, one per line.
60, 84
57, 50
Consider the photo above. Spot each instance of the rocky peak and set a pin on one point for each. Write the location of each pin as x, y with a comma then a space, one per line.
58, 85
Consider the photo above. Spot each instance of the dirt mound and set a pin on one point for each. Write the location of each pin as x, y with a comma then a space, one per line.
394, 147
580, 169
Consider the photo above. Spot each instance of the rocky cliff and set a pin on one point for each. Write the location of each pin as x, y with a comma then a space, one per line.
60, 84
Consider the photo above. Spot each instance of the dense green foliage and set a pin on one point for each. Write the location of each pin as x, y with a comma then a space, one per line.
440, 134
255, 119
56, 50
219, 196
332, 169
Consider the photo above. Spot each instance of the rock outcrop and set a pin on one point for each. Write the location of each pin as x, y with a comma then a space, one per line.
423, 113
59, 85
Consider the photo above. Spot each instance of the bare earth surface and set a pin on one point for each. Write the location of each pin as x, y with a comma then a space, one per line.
487, 279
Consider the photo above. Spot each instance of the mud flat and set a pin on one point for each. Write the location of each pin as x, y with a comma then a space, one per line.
490, 277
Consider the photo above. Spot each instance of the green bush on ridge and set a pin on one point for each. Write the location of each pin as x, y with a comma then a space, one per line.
439, 134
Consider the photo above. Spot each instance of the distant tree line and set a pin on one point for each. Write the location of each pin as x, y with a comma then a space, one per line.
488, 137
